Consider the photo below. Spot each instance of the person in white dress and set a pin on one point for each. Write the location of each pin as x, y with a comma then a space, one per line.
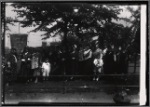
98, 62
46, 68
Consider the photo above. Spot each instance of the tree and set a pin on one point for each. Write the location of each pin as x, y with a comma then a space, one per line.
134, 35
5, 22
87, 19
135, 29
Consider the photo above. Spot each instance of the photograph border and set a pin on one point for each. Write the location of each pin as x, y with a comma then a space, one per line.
145, 51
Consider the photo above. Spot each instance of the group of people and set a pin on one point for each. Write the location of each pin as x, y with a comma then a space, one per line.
33, 66
26, 67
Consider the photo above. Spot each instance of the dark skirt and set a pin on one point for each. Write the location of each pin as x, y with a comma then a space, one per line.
8, 76
37, 72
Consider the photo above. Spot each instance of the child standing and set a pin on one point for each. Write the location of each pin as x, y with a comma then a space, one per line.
46, 68
98, 62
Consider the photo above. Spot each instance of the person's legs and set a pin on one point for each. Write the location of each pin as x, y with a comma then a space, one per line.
28, 74
36, 75
99, 70
7, 77
95, 73
14, 72
72, 69
88, 68
47, 74
31, 74
44, 75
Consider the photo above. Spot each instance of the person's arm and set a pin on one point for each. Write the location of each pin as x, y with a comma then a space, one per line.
22, 58
96, 62
42, 65
115, 58
50, 67
90, 54
105, 51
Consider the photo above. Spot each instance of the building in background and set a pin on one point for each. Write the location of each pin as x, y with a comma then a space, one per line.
18, 41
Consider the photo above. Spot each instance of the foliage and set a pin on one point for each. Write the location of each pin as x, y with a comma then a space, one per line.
135, 29
79, 22
5, 21
82, 18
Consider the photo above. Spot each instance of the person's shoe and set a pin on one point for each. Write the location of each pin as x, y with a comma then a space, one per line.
71, 78
97, 79
7, 84
36, 81
43, 79
27, 82
30, 80
46, 79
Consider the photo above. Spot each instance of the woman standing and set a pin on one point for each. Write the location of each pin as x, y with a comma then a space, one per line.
35, 66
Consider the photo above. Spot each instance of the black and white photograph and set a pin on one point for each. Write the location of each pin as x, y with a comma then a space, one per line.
73, 53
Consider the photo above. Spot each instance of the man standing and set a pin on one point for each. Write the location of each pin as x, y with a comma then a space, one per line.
122, 61
12, 59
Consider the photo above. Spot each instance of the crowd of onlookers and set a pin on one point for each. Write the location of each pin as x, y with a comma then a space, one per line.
32, 66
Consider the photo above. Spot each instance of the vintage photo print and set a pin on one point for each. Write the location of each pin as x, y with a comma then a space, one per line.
74, 53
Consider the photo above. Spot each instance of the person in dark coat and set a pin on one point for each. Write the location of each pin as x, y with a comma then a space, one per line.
12, 60
7, 72
26, 66
29, 71
53, 58
74, 62
121, 61
80, 60
110, 61
88, 63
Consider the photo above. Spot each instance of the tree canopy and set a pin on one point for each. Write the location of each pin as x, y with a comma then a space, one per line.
134, 43
84, 20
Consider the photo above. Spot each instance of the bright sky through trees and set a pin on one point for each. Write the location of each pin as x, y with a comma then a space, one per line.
36, 40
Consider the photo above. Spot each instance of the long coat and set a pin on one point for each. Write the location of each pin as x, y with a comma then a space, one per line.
12, 59
25, 65
109, 63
